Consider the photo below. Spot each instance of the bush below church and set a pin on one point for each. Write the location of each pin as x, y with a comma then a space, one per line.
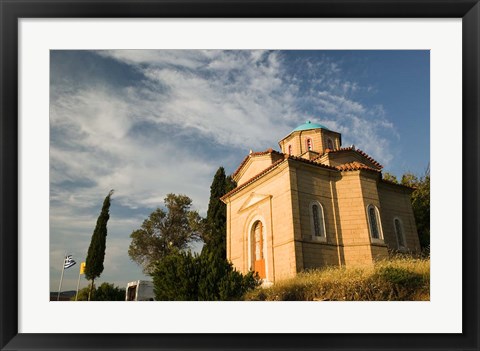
105, 292
399, 279
183, 276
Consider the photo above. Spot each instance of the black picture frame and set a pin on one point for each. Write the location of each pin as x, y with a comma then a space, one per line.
12, 11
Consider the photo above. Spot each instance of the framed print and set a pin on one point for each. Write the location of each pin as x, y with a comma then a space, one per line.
63, 126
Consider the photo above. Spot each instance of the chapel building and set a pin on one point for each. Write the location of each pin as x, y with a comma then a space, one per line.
314, 204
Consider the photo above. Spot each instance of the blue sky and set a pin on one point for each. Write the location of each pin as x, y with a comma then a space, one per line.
151, 122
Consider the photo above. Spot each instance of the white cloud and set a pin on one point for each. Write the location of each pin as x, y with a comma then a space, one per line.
188, 58
232, 109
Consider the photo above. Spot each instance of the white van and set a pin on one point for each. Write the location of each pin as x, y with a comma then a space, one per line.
140, 290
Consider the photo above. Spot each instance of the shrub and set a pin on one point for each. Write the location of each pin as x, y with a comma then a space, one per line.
399, 276
176, 278
402, 278
105, 292
206, 277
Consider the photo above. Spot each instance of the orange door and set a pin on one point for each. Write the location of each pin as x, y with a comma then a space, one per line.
259, 261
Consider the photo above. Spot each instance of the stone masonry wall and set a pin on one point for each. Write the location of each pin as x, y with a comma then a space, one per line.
395, 202
313, 184
354, 232
276, 214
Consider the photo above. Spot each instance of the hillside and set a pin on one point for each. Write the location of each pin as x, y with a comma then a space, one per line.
64, 295
399, 279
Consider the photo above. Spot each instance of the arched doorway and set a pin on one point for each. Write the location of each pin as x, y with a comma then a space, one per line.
258, 249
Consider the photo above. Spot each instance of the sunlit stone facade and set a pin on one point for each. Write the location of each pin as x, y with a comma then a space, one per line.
314, 204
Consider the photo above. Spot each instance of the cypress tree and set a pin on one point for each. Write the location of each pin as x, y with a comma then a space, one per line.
96, 250
215, 236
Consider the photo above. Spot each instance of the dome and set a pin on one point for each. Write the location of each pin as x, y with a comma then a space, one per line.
309, 125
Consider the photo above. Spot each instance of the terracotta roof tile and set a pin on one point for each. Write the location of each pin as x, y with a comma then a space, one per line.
355, 166
312, 162
255, 177
259, 153
363, 153
274, 165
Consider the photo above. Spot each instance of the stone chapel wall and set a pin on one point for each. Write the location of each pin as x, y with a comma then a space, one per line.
396, 203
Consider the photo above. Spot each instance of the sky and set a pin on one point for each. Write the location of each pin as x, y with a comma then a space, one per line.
151, 122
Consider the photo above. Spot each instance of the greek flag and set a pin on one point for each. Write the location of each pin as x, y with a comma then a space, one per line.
69, 262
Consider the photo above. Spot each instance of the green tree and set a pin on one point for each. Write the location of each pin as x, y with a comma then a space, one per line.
420, 199
219, 281
176, 277
83, 294
105, 292
215, 232
390, 177
165, 231
410, 179
182, 276
421, 205
96, 250
109, 292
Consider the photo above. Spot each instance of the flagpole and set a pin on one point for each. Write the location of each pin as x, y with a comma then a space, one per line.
78, 282
61, 278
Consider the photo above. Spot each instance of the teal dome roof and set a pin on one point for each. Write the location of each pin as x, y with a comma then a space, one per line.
309, 125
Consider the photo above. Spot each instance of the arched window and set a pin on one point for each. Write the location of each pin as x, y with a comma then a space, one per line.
309, 144
330, 144
317, 221
374, 223
289, 149
397, 223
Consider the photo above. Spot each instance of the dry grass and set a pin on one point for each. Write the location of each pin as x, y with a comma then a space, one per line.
398, 279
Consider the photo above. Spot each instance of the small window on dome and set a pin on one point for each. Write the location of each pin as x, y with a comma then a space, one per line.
289, 149
309, 144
